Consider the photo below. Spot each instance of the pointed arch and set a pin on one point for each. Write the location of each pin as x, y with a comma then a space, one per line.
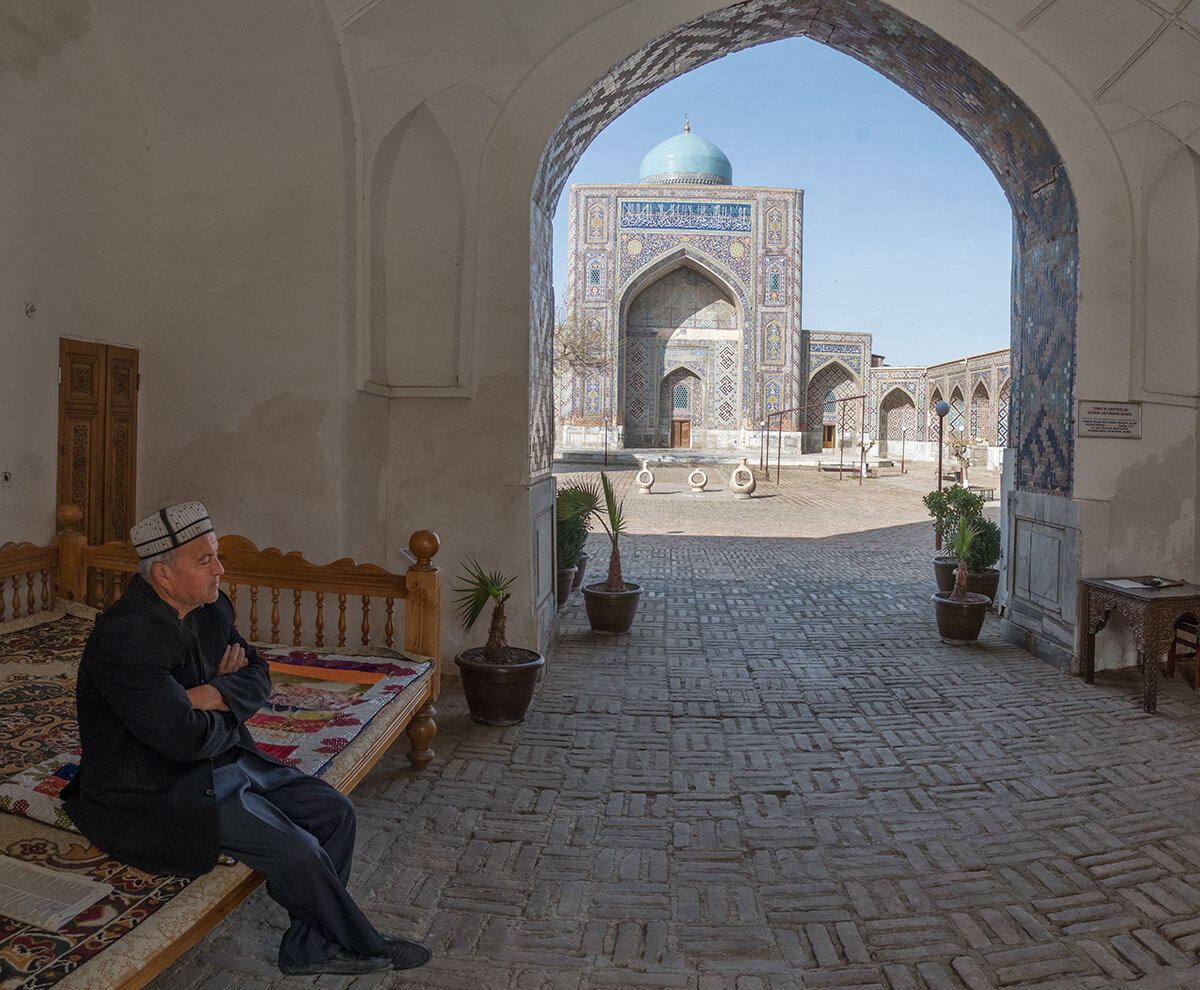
987, 113
897, 418
650, 346
415, 275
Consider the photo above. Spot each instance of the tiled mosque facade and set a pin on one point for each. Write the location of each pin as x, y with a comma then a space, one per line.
693, 293
688, 289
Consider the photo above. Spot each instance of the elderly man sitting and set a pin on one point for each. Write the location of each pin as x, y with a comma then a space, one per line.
169, 775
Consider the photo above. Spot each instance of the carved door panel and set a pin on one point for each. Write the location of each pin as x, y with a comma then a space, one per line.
681, 433
97, 436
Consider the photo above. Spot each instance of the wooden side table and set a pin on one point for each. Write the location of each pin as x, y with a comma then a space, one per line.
1151, 614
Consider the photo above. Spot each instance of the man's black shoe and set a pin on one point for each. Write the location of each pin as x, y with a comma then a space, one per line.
405, 953
343, 963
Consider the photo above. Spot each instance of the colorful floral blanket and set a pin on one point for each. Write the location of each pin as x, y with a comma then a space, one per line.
320, 700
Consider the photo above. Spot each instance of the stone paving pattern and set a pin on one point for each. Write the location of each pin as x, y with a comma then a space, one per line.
780, 778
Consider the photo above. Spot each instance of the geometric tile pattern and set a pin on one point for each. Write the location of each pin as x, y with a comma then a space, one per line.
989, 115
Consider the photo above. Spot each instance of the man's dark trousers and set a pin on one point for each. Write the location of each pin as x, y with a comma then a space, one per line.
299, 833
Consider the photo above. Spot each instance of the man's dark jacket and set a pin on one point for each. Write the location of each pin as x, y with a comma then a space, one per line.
144, 791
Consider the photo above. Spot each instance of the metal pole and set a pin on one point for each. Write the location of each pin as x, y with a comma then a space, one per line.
779, 451
606, 441
903, 438
841, 440
862, 437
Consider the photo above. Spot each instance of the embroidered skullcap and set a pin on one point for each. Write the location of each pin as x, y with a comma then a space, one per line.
169, 528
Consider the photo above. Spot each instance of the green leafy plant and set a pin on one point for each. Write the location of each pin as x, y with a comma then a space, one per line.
602, 503
949, 505
960, 547
985, 547
571, 526
478, 588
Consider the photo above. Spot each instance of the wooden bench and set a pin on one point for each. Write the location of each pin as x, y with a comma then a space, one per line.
343, 605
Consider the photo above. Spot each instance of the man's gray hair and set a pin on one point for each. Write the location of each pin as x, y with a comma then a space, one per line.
146, 563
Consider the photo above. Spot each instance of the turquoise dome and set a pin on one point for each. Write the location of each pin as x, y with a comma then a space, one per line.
686, 158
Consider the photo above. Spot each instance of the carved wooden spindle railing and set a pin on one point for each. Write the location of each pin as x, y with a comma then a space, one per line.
341, 620
320, 619
297, 621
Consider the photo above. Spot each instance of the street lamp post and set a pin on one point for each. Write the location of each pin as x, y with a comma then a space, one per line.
941, 409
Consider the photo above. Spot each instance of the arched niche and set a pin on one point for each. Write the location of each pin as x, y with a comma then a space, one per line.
416, 245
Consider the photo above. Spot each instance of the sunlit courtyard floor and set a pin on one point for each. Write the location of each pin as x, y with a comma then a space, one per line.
780, 778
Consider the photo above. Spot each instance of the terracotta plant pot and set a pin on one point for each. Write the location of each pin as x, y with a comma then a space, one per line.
579, 569
960, 622
611, 611
499, 693
566, 577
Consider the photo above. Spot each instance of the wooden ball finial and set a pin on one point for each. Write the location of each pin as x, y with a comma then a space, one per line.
68, 516
424, 545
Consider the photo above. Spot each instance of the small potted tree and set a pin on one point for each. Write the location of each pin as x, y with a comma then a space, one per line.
948, 506
611, 604
983, 577
960, 613
498, 679
571, 531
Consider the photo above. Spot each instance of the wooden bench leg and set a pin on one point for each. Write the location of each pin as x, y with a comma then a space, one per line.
421, 731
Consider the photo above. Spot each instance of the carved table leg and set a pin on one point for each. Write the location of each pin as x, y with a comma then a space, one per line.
421, 731
1149, 661
1089, 656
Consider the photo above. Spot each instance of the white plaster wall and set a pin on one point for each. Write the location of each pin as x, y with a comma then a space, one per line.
247, 394
73, 214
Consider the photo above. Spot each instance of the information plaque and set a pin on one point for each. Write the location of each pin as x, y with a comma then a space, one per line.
1115, 420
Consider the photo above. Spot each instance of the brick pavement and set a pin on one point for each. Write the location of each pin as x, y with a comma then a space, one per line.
781, 778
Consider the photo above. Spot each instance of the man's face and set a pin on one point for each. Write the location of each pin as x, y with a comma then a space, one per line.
191, 577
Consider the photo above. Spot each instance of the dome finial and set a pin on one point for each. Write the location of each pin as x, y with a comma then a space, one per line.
687, 125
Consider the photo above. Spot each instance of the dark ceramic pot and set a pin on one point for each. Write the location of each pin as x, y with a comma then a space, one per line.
960, 622
611, 611
499, 693
983, 583
566, 576
579, 569
943, 573
978, 582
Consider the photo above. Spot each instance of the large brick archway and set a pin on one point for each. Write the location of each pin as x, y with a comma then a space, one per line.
986, 112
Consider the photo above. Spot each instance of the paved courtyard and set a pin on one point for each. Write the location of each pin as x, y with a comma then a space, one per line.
780, 778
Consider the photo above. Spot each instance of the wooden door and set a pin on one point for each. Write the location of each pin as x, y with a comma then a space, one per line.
829, 437
681, 433
97, 436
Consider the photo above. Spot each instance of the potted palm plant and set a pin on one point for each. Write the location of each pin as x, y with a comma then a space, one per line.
960, 613
611, 604
948, 506
498, 679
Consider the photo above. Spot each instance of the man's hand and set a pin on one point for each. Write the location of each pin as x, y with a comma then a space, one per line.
233, 659
207, 698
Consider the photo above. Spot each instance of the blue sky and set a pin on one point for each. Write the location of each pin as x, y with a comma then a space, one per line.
907, 233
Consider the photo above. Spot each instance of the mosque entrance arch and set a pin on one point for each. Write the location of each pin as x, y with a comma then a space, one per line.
679, 336
681, 408
897, 420
978, 105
